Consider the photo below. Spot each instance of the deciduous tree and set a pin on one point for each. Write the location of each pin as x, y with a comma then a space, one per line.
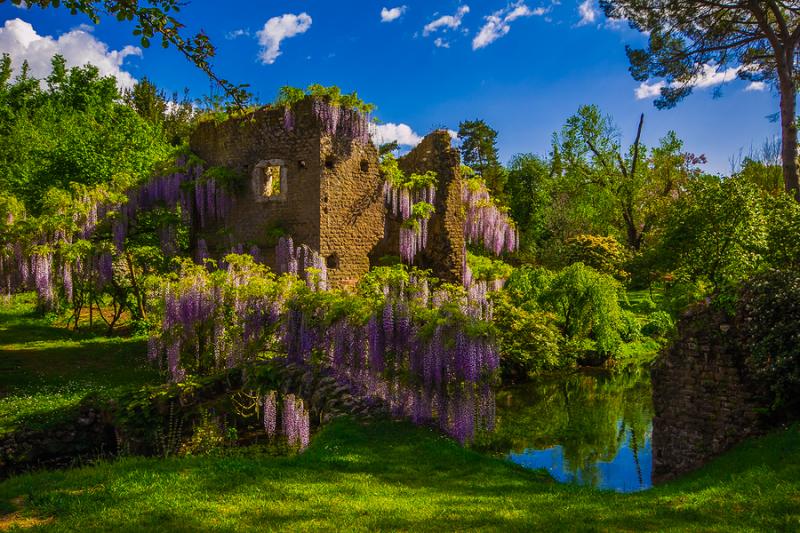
759, 39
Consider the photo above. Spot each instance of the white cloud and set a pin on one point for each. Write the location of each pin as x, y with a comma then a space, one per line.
587, 12
756, 86
276, 30
441, 43
388, 15
446, 22
709, 76
237, 33
498, 23
78, 46
402, 133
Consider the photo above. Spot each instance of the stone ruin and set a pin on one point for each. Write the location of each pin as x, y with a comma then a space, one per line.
318, 181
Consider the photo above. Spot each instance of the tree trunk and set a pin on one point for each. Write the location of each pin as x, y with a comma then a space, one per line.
789, 134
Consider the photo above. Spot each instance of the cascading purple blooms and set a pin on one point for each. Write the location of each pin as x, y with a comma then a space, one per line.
200, 334
288, 118
270, 407
347, 123
295, 423
413, 233
486, 224
441, 374
296, 261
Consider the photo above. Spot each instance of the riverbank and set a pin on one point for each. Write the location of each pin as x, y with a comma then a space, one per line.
381, 476
389, 476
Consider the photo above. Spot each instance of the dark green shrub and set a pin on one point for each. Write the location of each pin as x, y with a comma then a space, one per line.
659, 325
630, 330
587, 305
769, 313
529, 341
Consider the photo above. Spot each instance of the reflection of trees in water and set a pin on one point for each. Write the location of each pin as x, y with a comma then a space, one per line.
589, 415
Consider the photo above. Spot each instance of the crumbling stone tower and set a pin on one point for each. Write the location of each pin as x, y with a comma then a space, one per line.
321, 184
322, 189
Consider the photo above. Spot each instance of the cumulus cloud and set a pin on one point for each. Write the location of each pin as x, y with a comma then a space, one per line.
709, 76
386, 133
756, 86
446, 22
388, 15
276, 30
498, 23
441, 43
235, 34
78, 46
587, 12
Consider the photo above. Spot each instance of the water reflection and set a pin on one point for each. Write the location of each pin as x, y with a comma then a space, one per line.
590, 428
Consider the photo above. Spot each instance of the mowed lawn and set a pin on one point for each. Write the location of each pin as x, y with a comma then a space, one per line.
381, 476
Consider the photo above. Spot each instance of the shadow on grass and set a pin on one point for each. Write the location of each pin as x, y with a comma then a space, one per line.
390, 476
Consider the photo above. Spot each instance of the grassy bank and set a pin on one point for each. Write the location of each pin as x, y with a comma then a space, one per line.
45, 369
389, 476
382, 476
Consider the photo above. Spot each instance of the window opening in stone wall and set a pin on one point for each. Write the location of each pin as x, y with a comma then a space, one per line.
364, 165
272, 181
329, 162
332, 261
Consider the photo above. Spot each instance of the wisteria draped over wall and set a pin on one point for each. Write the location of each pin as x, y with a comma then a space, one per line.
42, 263
295, 423
291, 260
441, 373
413, 233
347, 123
423, 353
485, 223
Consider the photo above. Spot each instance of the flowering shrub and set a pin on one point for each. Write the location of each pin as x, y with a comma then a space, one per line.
427, 352
486, 223
769, 312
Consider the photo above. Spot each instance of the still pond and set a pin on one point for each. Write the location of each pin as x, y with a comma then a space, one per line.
589, 427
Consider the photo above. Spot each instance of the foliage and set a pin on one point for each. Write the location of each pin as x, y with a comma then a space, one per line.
769, 311
757, 39
486, 269
604, 254
479, 152
529, 201
717, 233
390, 170
659, 324
630, 330
73, 132
529, 340
587, 305
288, 96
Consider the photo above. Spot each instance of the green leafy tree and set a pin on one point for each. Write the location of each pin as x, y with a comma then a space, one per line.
153, 19
479, 152
604, 188
716, 233
528, 191
760, 39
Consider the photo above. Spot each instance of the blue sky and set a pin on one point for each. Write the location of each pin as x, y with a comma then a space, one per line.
524, 67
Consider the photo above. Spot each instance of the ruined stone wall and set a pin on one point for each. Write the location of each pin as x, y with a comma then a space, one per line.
332, 199
351, 210
239, 144
704, 402
445, 251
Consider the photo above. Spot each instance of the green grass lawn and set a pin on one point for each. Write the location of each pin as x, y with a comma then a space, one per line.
45, 370
390, 476
381, 476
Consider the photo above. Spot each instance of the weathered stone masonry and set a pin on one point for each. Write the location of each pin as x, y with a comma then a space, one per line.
330, 195
704, 401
